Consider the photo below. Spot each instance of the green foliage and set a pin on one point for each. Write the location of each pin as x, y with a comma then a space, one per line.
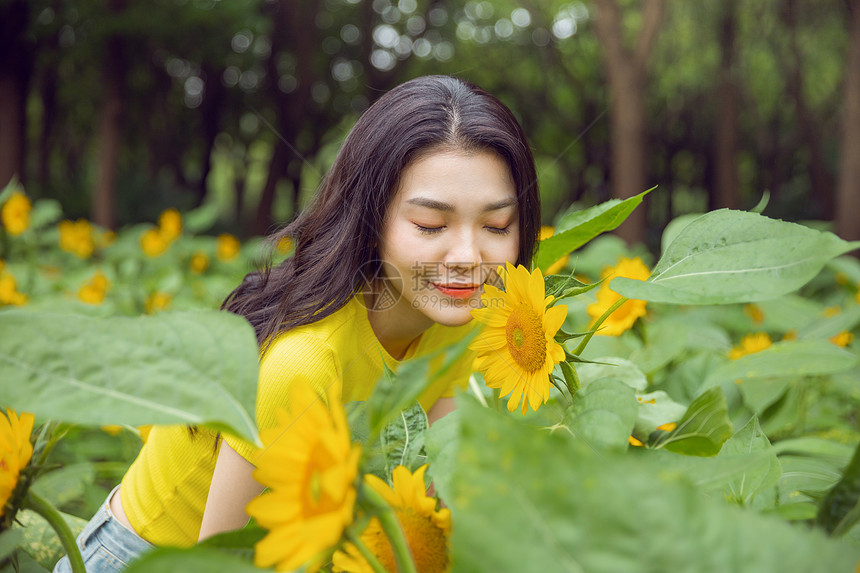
703, 428
732, 256
579, 227
840, 510
560, 507
185, 368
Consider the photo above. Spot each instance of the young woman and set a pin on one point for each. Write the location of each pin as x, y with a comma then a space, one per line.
433, 188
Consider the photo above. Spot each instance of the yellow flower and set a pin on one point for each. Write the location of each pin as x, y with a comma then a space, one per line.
227, 247
144, 432
516, 350
112, 429
152, 243
426, 528
77, 237
625, 316
842, 339
170, 225
755, 313
285, 245
634, 442
95, 290
199, 262
156, 302
668, 426
831, 311
307, 507
105, 238
15, 213
9, 291
15, 452
750, 344
545, 233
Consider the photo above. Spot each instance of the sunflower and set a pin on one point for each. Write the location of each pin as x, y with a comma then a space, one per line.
15, 452
15, 213
624, 316
426, 528
310, 466
170, 224
77, 237
516, 350
227, 247
750, 344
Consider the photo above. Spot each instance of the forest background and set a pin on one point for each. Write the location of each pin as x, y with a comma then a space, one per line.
120, 109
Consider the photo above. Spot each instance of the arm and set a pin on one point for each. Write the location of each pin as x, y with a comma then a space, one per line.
232, 488
442, 407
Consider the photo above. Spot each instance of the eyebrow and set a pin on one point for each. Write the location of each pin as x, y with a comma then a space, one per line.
448, 207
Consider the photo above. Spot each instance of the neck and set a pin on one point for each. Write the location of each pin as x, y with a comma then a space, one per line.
396, 327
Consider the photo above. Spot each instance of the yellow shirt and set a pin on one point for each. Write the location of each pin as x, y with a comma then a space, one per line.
164, 492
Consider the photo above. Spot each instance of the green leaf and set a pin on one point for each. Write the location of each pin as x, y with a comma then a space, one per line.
602, 415
403, 440
198, 558
840, 510
612, 367
441, 444
790, 358
9, 541
703, 429
655, 409
174, 368
40, 541
527, 500
563, 286
65, 484
733, 256
579, 227
748, 440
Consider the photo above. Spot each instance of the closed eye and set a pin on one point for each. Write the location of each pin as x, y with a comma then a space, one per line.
429, 230
499, 230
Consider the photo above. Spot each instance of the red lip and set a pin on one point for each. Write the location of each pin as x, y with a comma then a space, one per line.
456, 292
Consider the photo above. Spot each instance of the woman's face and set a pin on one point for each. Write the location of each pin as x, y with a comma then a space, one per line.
452, 222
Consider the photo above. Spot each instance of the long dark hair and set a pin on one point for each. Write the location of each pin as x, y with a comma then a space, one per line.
335, 236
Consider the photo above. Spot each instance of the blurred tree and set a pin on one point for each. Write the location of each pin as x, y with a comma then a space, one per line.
16, 69
848, 190
627, 73
727, 125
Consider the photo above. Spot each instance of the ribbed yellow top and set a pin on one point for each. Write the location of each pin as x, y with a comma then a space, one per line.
164, 492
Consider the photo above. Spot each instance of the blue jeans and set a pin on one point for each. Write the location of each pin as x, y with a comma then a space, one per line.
107, 546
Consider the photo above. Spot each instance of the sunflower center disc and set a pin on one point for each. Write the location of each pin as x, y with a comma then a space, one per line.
526, 338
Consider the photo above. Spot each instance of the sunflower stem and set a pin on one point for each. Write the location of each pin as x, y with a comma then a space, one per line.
597, 324
561, 389
365, 552
44, 508
391, 527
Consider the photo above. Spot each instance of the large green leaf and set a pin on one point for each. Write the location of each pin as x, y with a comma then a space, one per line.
527, 500
579, 227
840, 510
791, 358
174, 368
756, 479
603, 414
40, 541
703, 428
730, 256
173, 560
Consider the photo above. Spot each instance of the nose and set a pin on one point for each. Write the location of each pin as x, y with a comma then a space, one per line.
463, 255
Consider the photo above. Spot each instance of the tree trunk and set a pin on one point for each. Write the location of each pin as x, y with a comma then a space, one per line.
725, 192
110, 129
213, 100
821, 180
627, 85
16, 60
848, 187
